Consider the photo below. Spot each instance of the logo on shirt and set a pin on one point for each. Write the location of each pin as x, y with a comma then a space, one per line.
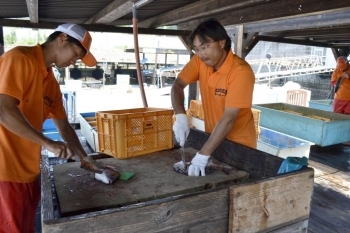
220, 92
48, 101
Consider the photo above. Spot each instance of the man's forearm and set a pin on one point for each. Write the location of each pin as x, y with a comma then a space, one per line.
13, 120
218, 135
177, 98
69, 135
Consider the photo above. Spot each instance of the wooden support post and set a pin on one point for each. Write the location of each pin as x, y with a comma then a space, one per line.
238, 41
2, 44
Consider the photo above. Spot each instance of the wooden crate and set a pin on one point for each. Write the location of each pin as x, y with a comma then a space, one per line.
279, 203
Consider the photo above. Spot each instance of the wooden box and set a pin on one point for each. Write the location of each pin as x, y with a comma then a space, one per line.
321, 127
267, 202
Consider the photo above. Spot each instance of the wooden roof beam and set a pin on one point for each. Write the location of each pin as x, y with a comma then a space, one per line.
93, 28
203, 8
320, 32
115, 10
111, 12
273, 10
32, 6
303, 22
291, 41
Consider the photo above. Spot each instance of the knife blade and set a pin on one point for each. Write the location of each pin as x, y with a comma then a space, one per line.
183, 157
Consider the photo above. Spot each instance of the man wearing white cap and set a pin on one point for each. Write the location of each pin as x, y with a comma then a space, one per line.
29, 94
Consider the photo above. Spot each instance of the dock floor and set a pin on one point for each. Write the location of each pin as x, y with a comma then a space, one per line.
330, 205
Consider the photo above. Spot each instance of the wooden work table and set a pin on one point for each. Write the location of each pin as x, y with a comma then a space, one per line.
157, 199
154, 178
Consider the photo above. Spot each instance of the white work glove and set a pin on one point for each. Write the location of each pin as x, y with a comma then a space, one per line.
198, 164
181, 128
345, 75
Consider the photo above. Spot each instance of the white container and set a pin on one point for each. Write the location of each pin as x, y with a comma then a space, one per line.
73, 85
282, 145
197, 123
89, 130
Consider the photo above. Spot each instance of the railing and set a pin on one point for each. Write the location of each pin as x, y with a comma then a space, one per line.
283, 67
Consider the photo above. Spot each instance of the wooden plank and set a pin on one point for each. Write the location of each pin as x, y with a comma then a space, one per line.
47, 211
259, 164
32, 6
113, 11
330, 208
200, 212
318, 227
93, 27
298, 227
195, 10
330, 174
337, 18
272, 10
154, 178
270, 203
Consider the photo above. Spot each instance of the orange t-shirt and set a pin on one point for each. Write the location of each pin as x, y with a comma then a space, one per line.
229, 87
25, 77
343, 92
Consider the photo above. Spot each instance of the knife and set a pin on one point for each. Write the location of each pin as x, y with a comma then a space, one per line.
183, 157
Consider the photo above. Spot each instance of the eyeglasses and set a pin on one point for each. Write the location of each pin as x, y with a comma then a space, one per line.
202, 48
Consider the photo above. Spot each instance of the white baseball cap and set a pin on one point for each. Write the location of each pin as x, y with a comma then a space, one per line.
83, 36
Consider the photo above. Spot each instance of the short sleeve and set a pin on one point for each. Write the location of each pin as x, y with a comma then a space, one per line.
190, 73
240, 88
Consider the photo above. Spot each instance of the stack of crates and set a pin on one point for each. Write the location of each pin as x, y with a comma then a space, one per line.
196, 109
132, 132
256, 116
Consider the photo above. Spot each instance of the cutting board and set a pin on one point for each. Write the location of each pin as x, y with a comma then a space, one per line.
154, 178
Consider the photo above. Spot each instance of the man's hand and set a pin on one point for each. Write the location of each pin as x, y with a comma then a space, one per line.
198, 164
181, 128
345, 75
60, 149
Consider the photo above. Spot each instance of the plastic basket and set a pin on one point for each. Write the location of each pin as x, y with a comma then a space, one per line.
196, 109
256, 116
132, 132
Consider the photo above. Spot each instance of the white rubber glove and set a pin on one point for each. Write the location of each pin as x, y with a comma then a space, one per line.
198, 164
181, 128
345, 75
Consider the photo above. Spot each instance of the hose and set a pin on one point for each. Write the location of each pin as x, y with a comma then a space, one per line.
137, 56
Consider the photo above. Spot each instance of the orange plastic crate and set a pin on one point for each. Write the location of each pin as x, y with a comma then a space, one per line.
196, 109
256, 116
132, 132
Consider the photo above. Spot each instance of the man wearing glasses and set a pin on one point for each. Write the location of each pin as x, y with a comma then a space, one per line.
226, 86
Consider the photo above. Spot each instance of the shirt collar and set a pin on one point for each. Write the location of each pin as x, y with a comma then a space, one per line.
41, 61
225, 67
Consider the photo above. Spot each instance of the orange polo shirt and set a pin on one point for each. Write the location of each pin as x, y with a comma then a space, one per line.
229, 87
344, 91
25, 77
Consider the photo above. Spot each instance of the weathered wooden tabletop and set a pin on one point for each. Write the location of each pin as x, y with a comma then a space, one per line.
154, 178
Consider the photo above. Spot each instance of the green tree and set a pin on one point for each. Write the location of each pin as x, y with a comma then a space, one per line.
11, 38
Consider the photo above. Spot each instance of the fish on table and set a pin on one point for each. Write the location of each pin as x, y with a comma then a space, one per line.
100, 171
